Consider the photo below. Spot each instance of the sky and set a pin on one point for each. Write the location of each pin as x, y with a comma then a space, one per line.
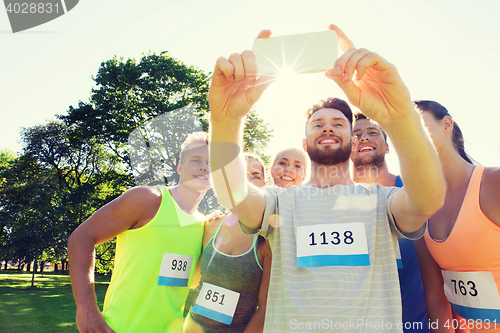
445, 50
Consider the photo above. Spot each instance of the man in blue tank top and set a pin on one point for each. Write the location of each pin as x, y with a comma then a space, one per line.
369, 166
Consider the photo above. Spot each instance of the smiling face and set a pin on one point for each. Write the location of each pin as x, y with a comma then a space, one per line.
289, 168
255, 172
329, 139
371, 145
194, 167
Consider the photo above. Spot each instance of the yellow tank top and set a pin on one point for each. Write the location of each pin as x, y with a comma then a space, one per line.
154, 266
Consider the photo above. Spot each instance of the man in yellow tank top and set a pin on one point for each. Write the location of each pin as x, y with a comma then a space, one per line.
159, 238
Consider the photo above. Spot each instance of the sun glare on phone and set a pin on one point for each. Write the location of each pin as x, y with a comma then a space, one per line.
286, 74
287, 83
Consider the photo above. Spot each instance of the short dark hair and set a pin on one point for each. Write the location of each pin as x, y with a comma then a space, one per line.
330, 103
439, 112
358, 116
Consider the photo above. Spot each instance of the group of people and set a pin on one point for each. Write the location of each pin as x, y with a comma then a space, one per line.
363, 252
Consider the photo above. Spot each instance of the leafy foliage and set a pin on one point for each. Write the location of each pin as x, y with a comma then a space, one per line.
50, 189
256, 135
128, 94
70, 168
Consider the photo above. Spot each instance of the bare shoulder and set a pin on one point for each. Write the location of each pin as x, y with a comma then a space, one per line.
214, 223
264, 248
141, 197
142, 193
491, 181
133, 209
490, 194
140, 203
492, 174
210, 227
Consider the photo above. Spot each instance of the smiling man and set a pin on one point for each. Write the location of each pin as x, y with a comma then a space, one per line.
369, 166
368, 157
333, 241
159, 238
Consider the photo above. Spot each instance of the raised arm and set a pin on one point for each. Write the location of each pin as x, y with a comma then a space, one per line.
132, 209
374, 85
233, 91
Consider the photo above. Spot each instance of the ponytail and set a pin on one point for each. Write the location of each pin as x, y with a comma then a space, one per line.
439, 112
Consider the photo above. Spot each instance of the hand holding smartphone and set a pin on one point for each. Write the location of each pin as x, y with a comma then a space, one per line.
301, 53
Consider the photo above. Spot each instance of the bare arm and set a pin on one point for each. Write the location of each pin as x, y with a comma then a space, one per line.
489, 195
424, 185
438, 307
233, 90
132, 209
256, 324
374, 86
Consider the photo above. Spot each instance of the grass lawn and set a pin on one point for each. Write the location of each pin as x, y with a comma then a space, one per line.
49, 308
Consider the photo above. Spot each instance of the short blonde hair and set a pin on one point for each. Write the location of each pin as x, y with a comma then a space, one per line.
257, 158
195, 137
300, 151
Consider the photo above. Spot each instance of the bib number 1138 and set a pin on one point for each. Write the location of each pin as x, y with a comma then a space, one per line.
334, 236
332, 245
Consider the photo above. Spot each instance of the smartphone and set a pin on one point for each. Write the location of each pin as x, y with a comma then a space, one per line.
301, 53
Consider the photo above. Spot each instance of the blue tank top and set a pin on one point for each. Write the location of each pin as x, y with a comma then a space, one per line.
412, 289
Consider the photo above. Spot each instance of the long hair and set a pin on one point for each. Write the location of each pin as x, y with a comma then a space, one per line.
439, 112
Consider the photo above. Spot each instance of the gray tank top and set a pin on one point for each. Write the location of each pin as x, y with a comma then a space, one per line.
240, 273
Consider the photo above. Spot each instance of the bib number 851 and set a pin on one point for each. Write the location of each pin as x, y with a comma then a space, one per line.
214, 297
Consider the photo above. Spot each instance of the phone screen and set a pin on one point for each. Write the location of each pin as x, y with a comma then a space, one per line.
301, 53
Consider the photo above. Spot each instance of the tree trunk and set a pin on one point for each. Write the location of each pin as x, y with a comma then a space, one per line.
28, 267
34, 270
5, 266
56, 267
42, 266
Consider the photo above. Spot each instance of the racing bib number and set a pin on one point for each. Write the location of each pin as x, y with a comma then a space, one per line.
473, 295
175, 270
332, 245
216, 303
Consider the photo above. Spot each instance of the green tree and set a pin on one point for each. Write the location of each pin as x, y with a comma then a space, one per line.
130, 93
30, 203
7, 158
52, 188
256, 135
88, 176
